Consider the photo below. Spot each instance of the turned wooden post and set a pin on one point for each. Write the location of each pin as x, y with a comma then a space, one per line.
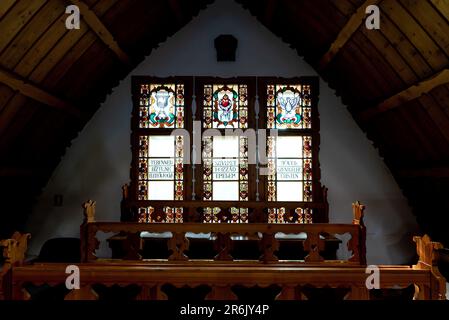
89, 211
427, 251
14, 251
89, 242
125, 212
357, 243
87, 234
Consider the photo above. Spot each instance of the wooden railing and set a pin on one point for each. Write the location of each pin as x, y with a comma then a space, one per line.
265, 233
223, 274
221, 279
256, 211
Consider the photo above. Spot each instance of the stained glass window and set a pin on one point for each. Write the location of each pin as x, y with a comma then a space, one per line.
290, 168
217, 215
161, 169
289, 106
286, 105
161, 106
225, 106
225, 168
280, 215
168, 215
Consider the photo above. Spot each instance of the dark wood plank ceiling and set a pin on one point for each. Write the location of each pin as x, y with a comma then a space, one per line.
386, 78
395, 81
41, 61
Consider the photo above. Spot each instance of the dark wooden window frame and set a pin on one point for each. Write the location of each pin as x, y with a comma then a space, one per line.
199, 92
319, 193
130, 203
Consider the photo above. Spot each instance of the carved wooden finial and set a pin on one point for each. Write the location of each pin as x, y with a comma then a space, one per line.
427, 250
358, 213
14, 249
89, 211
125, 191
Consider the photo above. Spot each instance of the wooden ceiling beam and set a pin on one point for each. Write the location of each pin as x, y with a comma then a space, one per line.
94, 22
346, 33
411, 93
32, 91
439, 172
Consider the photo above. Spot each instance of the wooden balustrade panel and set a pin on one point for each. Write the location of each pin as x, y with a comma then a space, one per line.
223, 245
313, 245
221, 277
268, 243
178, 244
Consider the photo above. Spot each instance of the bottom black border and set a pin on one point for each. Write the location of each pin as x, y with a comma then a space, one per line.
173, 310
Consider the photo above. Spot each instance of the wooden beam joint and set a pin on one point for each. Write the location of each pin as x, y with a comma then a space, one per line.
346, 33
409, 94
32, 91
97, 26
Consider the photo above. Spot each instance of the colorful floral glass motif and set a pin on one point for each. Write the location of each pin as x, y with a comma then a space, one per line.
298, 215
225, 168
290, 168
225, 106
289, 106
217, 215
161, 168
168, 215
161, 106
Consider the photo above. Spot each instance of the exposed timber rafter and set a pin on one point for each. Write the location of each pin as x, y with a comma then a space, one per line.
406, 95
32, 91
101, 31
346, 33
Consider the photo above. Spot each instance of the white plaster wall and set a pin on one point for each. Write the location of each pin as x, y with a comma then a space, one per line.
97, 163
